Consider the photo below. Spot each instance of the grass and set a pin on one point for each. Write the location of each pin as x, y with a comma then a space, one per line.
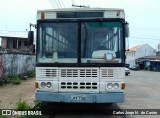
31, 74
22, 105
16, 79
3, 116
37, 105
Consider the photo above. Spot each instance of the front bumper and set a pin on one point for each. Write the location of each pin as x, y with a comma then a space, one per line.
110, 97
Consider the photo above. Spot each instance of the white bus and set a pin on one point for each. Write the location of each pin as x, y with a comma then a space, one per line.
80, 55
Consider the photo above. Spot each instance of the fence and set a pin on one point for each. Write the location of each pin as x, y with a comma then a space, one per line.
11, 64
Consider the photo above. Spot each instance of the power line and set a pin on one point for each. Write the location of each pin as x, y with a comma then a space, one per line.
73, 2
51, 3
63, 3
54, 2
152, 28
144, 38
59, 3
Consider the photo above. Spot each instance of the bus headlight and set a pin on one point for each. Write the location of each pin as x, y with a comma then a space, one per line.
109, 85
46, 84
49, 84
116, 85
43, 84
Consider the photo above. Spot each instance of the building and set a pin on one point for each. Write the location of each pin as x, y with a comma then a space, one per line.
149, 63
138, 52
14, 42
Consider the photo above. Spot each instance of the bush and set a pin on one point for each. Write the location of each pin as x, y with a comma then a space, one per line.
22, 105
4, 80
31, 74
15, 79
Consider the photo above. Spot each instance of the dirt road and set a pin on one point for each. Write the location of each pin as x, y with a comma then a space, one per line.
10, 94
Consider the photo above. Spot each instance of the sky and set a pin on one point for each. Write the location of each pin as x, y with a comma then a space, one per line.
142, 15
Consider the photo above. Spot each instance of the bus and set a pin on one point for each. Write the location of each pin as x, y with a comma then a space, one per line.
80, 55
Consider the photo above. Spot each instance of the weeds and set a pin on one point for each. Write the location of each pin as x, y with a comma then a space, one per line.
16, 79
37, 105
5, 80
3, 116
22, 105
31, 74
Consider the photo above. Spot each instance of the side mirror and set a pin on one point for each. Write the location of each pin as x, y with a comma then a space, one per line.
126, 29
30, 37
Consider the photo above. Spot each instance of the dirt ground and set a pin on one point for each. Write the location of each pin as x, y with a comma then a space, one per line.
10, 94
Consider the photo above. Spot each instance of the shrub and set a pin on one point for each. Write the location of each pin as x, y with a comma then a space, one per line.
31, 74
15, 79
22, 105
4, 80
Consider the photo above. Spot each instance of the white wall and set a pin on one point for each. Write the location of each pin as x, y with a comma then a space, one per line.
130, 58
144, 50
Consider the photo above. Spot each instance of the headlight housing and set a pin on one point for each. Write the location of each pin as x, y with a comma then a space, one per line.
49, 84
46, 84
43, 84
109, 85
113, 86
116, 85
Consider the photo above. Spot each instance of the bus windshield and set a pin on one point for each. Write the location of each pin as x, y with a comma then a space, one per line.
101, 42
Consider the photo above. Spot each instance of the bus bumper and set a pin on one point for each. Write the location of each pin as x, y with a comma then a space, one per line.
110, 97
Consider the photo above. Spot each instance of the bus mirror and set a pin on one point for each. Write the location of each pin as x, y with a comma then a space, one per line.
126, 29
30, 37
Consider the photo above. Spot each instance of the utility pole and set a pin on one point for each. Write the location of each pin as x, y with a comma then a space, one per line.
32, 25
80, 6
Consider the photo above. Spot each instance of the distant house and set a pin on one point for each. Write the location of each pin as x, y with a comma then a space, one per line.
149, 63
138, 52
11, 42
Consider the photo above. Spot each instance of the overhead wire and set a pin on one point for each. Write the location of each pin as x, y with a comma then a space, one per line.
59, 3
144, 38
54, 2
63, 3
51, 3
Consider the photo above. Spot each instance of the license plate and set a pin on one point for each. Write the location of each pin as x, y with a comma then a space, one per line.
78, 97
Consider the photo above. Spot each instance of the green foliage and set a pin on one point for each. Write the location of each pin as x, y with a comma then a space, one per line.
3, 116
37, 105
31, 74
22, 105
15, 80
4, 80
21, 76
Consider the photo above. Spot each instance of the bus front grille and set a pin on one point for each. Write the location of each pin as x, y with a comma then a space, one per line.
79, 73
78, 85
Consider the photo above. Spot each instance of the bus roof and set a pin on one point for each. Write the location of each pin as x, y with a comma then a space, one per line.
107, 13
83, 9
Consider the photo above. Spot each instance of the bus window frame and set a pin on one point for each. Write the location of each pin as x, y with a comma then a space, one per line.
79, 21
